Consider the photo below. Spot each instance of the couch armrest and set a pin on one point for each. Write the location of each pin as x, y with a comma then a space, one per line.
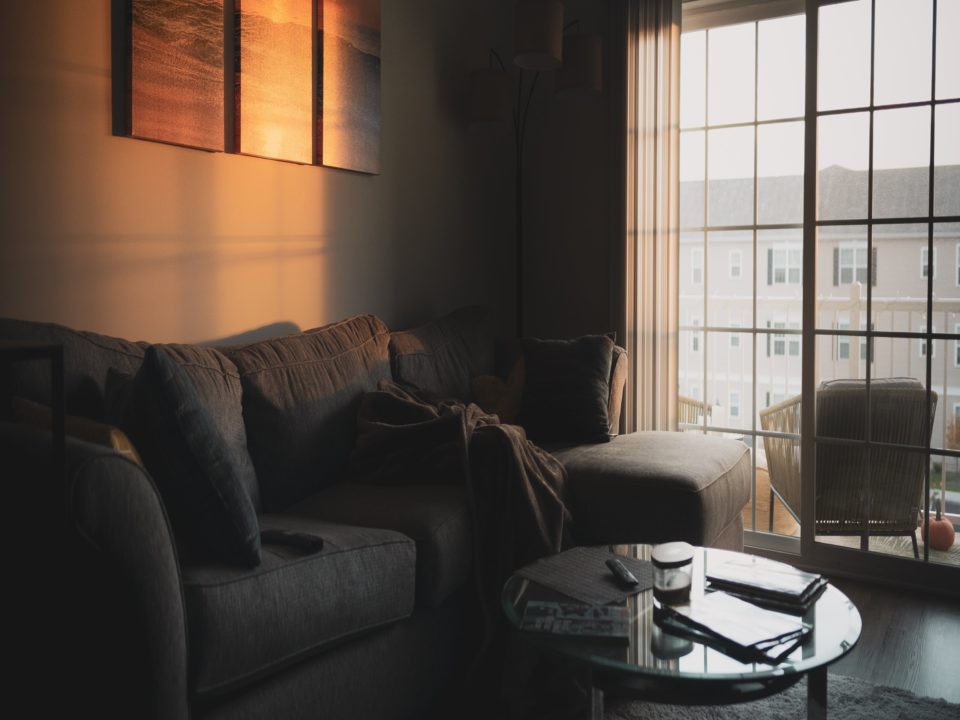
115, 507
618, 382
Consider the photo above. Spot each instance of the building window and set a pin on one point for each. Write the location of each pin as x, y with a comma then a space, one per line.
850, 265
956, 346
736, 264
735, 336
696, 266
734, 404
925, 262
922, 344
784, 266
695, 338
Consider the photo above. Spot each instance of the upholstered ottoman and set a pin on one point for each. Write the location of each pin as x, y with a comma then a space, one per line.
653, 487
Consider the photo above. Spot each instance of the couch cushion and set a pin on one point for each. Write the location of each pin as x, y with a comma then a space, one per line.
436, 517
566, 389
441, 356
300, 399
87, 357
199, 476
655, 487
244, 624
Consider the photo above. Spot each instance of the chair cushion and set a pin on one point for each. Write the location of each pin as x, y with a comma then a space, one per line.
246, 623
300, 398
200, 477
436, 517
441, 356
655, 487
566, 389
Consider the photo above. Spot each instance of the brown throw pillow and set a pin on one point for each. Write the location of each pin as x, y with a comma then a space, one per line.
499, 397
566, 389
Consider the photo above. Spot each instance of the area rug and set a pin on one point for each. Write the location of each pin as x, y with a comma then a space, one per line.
847, 699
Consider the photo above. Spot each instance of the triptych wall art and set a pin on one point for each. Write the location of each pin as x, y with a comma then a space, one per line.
295, 80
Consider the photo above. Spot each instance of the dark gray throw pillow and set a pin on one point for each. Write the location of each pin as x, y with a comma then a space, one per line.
566, 389
199, 478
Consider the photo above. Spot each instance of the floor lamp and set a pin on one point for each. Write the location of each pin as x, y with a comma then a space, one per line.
541, 43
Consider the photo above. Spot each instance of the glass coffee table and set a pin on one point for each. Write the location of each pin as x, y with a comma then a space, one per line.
661, 667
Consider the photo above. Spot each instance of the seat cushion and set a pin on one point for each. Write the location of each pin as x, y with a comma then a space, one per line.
436, 517
655, 487
300, 398
244, 624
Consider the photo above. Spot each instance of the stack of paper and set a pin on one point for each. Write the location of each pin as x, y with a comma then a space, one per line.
769, 582
740, 629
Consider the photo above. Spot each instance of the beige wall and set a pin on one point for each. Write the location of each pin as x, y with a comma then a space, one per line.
145, 240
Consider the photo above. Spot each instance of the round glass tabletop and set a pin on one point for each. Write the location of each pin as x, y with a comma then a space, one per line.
655, 654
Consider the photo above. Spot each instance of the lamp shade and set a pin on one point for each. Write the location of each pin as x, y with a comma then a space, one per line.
582, 69
489, 97
538, 34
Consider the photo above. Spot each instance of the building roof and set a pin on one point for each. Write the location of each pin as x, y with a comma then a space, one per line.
902, 192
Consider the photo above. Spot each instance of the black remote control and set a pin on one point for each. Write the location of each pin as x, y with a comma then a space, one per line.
624, 576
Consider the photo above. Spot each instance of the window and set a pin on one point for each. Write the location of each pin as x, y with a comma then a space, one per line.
784, 266
850, 265
782, 344
695, 337
736, 264
956, 346
696, 266
734, 336
734, 404
922, 344
925, 264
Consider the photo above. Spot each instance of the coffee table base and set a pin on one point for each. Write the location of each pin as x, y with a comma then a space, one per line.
713, 693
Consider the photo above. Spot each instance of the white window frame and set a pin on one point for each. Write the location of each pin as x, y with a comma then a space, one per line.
736, 264
790, 265
852, 266
734, 397
696, 266
924, 266
922, 344
956, 347
734, 336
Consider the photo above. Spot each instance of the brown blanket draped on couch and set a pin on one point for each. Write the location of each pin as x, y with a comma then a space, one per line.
514, 488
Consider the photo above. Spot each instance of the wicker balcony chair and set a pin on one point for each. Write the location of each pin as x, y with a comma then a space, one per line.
691, 412
888, 501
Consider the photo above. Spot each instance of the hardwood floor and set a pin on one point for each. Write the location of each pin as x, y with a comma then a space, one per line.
909, 641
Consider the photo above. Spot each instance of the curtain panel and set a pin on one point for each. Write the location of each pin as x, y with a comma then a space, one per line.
652, 189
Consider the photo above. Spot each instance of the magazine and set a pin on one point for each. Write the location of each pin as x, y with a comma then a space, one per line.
594, 622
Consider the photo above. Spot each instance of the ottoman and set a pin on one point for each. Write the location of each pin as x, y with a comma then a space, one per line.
652, 487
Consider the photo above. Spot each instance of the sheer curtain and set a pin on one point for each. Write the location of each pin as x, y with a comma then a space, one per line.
652, 77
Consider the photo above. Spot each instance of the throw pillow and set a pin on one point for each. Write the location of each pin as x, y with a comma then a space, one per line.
500, 398
39, 416
198, 477
566, 389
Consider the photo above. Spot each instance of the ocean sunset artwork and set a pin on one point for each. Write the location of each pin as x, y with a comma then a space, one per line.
348, 87
176, 72
274, 73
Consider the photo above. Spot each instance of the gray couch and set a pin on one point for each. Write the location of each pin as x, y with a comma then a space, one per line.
380, 621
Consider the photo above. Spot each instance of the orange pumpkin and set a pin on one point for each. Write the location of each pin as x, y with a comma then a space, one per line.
942, 533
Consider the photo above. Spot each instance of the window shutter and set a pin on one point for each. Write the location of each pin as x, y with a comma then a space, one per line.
836, 267
873, 267
769, 266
